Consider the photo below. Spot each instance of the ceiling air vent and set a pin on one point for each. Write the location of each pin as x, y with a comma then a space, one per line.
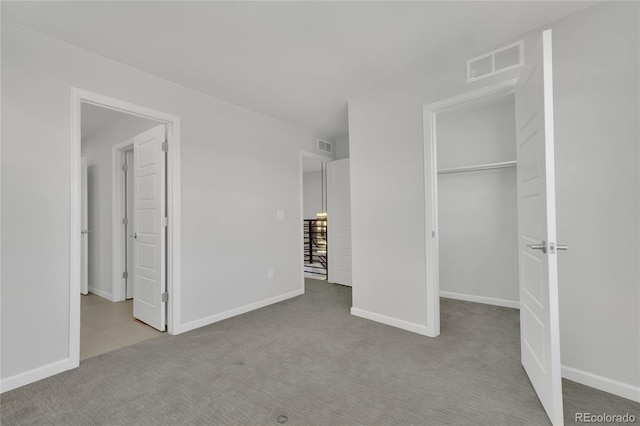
492, 63
324, 146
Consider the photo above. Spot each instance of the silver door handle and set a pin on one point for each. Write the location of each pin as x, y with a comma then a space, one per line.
542, 246
557, 247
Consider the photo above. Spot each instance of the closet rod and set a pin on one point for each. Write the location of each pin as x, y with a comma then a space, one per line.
491, 166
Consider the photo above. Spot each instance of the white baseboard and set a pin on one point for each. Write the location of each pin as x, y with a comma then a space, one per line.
602, 383
182, 328
480, 299
101, 293
394, 322
34, 375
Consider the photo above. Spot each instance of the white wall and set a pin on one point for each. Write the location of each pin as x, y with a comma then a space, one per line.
477, 211
238, 167
341, 146
98, 150
597, 63
312, 191
480, 133
596, 70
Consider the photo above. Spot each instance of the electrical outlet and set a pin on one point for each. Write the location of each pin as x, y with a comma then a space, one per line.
270, 272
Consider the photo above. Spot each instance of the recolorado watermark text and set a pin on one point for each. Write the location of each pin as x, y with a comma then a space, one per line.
604, 418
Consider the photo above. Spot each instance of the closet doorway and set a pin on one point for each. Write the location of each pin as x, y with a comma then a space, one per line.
477, 201
471, 205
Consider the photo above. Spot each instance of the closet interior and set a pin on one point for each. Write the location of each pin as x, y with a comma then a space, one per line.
477, 202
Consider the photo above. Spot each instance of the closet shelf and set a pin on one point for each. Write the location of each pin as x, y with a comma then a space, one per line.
490, 166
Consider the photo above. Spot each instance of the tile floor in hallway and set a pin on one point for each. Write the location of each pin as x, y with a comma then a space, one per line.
106, 326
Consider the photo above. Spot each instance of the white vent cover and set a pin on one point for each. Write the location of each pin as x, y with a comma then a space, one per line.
324, 146
492, 63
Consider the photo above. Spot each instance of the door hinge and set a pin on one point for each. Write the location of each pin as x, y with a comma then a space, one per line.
165, 221
125, 220
165, 146
125, 275
125, 168
165, 297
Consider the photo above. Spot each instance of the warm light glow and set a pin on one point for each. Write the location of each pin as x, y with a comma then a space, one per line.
321, 215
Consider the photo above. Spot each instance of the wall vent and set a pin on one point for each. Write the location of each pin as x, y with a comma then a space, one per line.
492, 63
325, 146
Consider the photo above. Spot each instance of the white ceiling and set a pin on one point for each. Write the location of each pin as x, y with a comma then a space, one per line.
299, 62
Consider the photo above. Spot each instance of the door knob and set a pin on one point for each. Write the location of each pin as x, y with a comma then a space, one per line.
134, 235
553, 247
542, 246
557, 247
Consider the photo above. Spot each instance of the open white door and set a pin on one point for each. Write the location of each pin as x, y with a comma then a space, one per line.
149, 253
84, 228
339, 222
539, 319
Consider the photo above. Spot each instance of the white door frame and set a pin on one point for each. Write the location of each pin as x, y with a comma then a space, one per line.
172, 122
310, 156
118, 240
430, 113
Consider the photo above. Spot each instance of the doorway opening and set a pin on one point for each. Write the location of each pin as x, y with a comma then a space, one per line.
477, 202
314, 208
123, 227
125, 201
471, 211
325, 207
109, 319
